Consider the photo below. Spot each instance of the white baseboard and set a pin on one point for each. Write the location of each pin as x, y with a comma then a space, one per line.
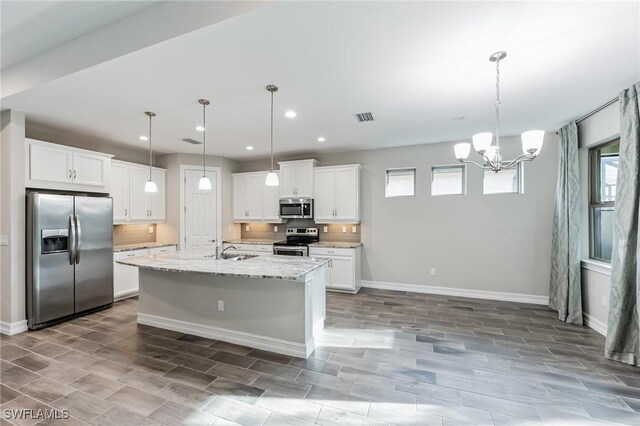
271, 344
594, 324
124, 295
13, 328
460, 292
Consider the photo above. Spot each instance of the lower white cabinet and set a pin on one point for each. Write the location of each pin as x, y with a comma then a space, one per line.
125, 277
343, 270
260, 249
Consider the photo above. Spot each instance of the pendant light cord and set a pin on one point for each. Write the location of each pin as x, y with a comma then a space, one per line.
498, 106
150, 156
272, 131
204, 140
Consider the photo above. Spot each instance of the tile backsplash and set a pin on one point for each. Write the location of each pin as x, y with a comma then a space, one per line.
334, 231
133, 234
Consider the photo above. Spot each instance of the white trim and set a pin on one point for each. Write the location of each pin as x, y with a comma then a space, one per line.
12, 328
460, 292
595, 324
596, 266
238, 337
218, 171
125, 294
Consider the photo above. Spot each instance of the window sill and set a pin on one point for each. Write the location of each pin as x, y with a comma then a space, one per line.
596, 266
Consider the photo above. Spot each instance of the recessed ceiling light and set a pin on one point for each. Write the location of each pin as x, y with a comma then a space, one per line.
200, 128
290, 114
321, 139
249, 148
143, 138
458, 118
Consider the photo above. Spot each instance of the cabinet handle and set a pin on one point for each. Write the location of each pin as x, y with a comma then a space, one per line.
130, 255
70, 173
125, 212
74, 174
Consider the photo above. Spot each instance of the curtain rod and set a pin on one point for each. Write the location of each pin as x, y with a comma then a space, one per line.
600, 108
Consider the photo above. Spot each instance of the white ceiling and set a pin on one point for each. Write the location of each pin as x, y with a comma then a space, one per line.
414, 65
29, 28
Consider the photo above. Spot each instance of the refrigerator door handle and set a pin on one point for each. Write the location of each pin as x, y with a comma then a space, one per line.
72, 242
78, 240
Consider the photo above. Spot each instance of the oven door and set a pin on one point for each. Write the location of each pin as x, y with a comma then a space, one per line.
290, 251
296, 208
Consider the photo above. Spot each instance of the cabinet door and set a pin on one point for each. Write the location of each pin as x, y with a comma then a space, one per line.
125, 278
239, 198
324, 201
270, 202
304, 181
50, 164
138, 199
288, 181
89, 169
158, 200
119, 184
327, 271
346, 191
255, 186
342, 273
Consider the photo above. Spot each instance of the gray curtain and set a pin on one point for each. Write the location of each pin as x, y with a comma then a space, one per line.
565, 293
623, 329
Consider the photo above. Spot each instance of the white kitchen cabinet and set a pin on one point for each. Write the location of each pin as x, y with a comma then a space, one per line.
59, 167
344, 268
125, 277
130, 203
296, 178
253, 201
165, 249
337, 194
244, 248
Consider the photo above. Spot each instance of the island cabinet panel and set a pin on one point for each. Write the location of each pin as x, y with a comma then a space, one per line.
296, 178
253, 201
130, 203
337, 194
344, 267
59, 167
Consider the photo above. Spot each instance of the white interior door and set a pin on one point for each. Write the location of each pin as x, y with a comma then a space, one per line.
200, 211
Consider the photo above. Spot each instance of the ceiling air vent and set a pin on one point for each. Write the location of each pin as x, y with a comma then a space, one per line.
364, 116
192, 141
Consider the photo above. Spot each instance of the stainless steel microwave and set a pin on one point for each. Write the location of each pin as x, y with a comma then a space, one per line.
296, 208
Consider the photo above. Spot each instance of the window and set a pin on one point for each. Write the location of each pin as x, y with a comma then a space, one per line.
604, 176
448, 180
401, 183
506, 181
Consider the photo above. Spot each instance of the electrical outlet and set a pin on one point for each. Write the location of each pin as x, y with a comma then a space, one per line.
344, 229
275, 229
354, 229
221, 305
433, 271
4, 240
151, 229
605, 302
246, 228
326, 229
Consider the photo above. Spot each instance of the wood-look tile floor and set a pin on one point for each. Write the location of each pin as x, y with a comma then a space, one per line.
386, 358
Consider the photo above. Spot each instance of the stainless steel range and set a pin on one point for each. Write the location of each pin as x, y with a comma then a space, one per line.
297, 242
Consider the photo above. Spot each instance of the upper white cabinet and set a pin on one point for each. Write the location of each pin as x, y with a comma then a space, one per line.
253, 201
130, 202
52, 166
337, 194
296, 178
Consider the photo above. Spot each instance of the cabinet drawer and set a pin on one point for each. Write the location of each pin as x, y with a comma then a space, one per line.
157, 250
326, 251
132, 253
261, 248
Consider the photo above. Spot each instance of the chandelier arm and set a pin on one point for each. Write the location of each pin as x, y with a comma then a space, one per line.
491, 164
475, 164
518, 159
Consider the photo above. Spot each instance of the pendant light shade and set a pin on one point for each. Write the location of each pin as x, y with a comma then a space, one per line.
150, 186
272, 177
204, 184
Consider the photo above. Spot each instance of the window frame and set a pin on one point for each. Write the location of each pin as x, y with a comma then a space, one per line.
520, 176
450, 166
398, 169
594, 193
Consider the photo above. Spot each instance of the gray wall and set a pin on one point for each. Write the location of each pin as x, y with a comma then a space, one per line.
169, 232
481, 242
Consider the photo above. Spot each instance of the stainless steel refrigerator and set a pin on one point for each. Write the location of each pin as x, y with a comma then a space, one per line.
69, 256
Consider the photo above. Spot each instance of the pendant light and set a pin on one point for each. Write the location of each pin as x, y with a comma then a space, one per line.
204, 184
150, 186
272, 177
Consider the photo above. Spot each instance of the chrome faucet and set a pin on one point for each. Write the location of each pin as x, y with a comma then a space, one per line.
225, 249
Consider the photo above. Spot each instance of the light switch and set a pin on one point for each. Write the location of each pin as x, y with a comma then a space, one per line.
4, 240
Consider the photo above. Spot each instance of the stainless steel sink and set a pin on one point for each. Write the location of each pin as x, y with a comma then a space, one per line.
232, 256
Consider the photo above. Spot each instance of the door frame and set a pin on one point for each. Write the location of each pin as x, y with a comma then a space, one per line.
218, 171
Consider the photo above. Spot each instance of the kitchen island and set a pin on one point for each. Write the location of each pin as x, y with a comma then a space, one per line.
275, 303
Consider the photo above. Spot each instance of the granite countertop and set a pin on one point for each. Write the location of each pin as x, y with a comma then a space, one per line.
128, 247
335, 244
264, 267
264, 241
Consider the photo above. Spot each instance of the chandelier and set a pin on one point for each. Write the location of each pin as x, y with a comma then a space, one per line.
490, 154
